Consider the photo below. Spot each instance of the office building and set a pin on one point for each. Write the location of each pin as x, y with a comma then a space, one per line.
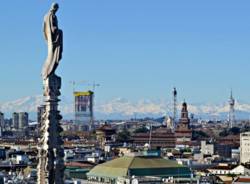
2, 124
84, 109
15, 120
23, 120
20, 120
245, 147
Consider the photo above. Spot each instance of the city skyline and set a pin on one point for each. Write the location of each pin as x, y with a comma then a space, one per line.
135, 50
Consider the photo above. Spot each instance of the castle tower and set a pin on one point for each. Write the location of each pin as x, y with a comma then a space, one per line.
183, 133
184, 121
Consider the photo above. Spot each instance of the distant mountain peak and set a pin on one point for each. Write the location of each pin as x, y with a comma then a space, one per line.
124, 108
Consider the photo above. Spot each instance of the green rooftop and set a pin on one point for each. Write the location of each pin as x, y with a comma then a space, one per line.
139, 166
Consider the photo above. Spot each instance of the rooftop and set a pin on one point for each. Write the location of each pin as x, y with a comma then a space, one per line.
138, 165
243, 179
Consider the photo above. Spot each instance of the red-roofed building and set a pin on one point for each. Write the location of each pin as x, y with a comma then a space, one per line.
82, 165
241, 179
162, 137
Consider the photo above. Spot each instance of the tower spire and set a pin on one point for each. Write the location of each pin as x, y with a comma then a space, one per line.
231, 119
174, 106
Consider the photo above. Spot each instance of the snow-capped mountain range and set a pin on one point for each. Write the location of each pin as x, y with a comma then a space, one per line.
120, 108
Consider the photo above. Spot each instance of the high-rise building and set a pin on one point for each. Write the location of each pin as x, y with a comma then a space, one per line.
84, 109
23, 120
40, 112
20, 120
2, 124
15, 120
245, 147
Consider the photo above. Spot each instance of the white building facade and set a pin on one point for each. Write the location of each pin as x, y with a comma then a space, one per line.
207, 149
245, 147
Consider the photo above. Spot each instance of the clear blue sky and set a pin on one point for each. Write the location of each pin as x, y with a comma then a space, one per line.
134, 49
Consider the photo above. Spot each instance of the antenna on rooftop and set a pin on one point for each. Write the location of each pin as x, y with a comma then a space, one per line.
231, 119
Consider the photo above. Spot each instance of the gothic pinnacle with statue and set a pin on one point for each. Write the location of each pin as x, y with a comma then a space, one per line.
54, 37
51, 152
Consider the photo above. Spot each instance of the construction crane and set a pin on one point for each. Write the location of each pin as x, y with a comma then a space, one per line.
83, 82
75, 83
94, 85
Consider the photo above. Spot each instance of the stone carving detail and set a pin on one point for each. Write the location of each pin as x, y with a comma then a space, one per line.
51, 152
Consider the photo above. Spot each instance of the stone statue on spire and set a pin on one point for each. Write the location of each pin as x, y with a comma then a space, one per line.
54, 37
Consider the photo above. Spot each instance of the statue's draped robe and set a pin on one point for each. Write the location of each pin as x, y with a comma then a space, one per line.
54, 38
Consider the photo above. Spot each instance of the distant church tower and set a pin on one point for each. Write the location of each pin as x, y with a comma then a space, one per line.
231, 116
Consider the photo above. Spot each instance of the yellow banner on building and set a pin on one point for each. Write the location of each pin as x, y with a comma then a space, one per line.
83, 93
